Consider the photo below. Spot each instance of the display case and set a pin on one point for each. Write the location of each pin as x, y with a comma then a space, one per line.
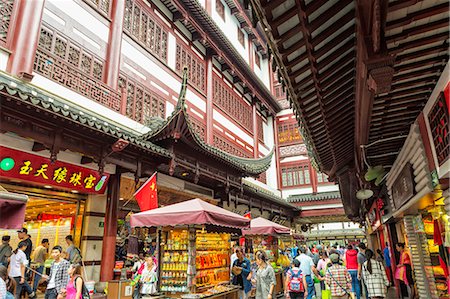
174, 256
213, 259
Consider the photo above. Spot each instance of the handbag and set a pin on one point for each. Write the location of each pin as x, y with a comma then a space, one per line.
84, 290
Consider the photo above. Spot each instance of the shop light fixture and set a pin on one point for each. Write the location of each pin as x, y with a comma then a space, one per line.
185, 174
74, 191
48, 186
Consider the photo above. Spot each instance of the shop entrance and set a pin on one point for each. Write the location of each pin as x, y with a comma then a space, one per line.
50, 214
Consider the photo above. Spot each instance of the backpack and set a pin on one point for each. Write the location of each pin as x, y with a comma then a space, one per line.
77, 256
296, 283
84, 290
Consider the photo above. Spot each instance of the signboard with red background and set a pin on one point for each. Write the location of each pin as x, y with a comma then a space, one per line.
27, 167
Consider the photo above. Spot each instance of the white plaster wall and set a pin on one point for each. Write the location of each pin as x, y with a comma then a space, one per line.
229, 28
294, 159
88, 104
322, 206
285, 112
171, 48
132, 51
4, 55
81, 15
232, 127
444, 169
327, 188
296, 191
16, 142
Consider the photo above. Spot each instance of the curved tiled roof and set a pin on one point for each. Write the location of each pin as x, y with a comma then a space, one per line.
245, 165
314, 197
57, 105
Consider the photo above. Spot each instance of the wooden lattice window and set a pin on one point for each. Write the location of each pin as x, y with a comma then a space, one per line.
279, 93
6, 9
62, 60
232, 104
439, 124
199, 127
295, 176
257, 59
260, 128
322, 178
142, 103
142, 26
220, 9
241, 36
288, 133
263, 178
228, 146
196, 66
102, 6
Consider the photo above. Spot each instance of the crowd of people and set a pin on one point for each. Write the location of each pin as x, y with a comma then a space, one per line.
63, 280
326, 272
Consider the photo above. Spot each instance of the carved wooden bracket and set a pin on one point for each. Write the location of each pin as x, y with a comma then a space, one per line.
380, 72
172, 166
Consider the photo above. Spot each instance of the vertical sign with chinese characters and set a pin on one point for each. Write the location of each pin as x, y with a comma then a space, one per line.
27, 167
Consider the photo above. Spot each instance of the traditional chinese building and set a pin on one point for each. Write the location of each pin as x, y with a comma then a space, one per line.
91, 107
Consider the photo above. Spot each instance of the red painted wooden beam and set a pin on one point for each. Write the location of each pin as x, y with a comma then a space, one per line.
418, 15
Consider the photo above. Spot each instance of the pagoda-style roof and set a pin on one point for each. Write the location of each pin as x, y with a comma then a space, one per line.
43, 100
314, 196
179, 127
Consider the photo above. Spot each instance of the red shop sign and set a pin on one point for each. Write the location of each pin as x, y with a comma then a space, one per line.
16, 164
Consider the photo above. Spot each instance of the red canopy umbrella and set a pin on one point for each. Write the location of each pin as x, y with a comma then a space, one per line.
191, 212
12, 210
262, 226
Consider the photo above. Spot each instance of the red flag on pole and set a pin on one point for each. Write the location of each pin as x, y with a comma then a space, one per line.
147, 194
248, 215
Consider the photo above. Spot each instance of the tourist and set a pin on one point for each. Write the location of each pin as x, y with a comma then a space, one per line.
338, 278
351, 262
149, 277
241, 269
39, 257
374, 277
361, 260
295, 285
265, 277
404, 273
5, 251
74, 288
73, 253
17, 266
307, 266
321, 268
387, 262
23, 236
59, 275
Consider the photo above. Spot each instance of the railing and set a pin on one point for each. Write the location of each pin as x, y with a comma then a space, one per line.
260, 129
141, 102
199, 127
64, 73
227, 146
6, 9
196, 66
102, 6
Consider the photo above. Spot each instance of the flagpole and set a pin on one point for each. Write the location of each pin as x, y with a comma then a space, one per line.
148, 180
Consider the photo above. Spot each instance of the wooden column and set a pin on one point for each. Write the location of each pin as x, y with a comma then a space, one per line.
209, 100
251, 60
112, 63
25, 37
277, 151
208, 6
255, 131
110, 231
313, 176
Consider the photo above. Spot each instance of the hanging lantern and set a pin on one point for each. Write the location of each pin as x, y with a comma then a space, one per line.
373, 172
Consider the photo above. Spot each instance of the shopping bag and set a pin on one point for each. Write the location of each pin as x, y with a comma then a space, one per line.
326, 294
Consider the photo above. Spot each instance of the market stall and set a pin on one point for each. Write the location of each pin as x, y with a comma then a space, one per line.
194, 248
265, 235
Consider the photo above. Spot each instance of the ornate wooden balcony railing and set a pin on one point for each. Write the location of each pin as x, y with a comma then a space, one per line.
62, 72
229, 147
196, 66
6, 9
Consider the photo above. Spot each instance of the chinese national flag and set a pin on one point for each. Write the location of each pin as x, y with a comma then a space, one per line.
248, 215
147, 195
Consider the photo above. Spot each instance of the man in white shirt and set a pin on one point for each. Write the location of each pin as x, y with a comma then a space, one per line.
59, 276
307, 267
17, 266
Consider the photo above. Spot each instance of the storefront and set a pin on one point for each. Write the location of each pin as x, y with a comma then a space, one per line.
57, 192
